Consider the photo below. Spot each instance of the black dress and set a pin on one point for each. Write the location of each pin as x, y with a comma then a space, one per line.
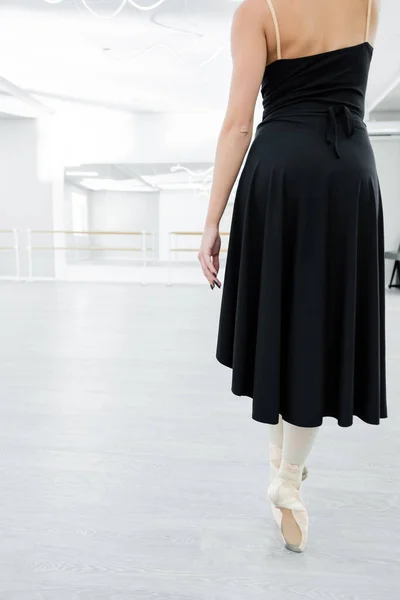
302, 321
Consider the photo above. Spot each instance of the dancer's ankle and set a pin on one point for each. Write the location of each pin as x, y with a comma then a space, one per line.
291, 472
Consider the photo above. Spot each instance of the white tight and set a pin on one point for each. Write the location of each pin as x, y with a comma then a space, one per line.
295, 442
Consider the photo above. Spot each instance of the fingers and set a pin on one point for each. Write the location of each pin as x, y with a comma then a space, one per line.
207, 267
208, 270
214, 262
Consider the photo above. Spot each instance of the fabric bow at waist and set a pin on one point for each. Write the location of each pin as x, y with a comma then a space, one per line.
333, 113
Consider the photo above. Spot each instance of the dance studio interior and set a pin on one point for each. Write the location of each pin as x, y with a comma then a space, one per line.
129, 469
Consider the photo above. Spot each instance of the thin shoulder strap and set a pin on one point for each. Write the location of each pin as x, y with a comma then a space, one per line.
278, 35
368, 20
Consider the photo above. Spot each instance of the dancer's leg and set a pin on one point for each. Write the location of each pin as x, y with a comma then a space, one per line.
275, 447
297, 445
285, 493
275, 457
276, 433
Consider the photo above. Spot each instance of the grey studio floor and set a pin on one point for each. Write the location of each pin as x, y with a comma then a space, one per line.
128, 469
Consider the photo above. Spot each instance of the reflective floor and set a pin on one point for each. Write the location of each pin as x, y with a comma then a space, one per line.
129, 470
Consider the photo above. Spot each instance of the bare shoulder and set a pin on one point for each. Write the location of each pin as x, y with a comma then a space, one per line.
376, 7
248, 42
249, 12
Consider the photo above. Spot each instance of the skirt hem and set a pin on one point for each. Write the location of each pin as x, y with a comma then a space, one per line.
270, 421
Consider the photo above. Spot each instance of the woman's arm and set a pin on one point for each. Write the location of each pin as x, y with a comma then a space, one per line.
249, 56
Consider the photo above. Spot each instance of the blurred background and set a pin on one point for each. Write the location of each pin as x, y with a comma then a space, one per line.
110, 124
110, 112
128, 470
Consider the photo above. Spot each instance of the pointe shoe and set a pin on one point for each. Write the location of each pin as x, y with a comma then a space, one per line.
286, 498
275, 457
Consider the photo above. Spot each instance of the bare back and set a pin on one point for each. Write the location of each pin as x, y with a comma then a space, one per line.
296, 28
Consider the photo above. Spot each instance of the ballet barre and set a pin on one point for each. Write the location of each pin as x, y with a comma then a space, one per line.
13, 248
144, 249
79, 241
174, 251
192, 250
194, 233
91, 248
92, 232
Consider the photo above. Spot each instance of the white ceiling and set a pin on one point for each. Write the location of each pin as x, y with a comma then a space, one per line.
173, 58
13, 107
4, 115
142, 61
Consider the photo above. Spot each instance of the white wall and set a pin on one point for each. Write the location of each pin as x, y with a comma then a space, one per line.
186, 212
94, 135
123, 211
25, 191
123, 137
160, 213
69, 189
180, 211
98, 135
387, 155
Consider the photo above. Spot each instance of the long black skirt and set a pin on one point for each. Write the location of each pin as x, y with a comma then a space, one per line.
302, 321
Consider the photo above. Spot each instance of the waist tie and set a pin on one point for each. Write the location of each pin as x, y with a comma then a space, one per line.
332, 130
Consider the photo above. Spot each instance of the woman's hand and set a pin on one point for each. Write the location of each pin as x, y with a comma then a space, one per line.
209, 254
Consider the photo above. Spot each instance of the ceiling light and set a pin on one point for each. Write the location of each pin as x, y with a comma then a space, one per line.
182, 185
151, 7
201, 175
82, 173
122, 5
110, 16
115, 185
